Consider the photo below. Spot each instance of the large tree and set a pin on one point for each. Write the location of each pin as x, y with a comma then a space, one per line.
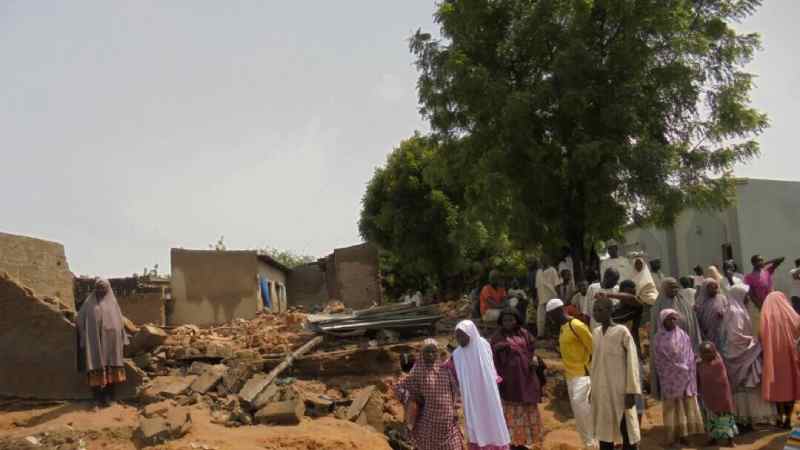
580, 116
413, 210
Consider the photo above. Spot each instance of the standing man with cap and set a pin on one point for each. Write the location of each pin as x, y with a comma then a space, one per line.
575, 344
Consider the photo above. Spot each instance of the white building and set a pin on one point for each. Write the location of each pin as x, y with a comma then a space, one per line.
763, 219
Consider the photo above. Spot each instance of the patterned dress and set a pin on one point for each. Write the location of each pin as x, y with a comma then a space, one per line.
436, 427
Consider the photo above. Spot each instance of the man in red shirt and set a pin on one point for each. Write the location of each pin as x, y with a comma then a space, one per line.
493, 299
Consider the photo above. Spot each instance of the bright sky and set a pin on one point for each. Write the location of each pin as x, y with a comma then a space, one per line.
129, 128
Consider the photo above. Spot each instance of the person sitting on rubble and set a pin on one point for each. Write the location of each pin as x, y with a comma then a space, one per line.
493, 299
522, 298
101, 336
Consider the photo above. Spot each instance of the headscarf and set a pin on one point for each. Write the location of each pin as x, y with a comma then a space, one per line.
513, 351
710, 312
477, 377
780, 329
684, 307
101, 331
715, 389
646, 289
742, 352
713, 273
674, 360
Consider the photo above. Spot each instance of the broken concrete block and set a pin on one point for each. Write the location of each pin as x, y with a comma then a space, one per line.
234, 379
158, 408
167, 387
157, 430
281, 413
254, 386
359, 401
374, 413
198, 367
147, 339
268, 395
210, 377
318, 405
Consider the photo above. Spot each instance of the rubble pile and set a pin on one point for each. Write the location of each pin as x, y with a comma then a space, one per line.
239, 371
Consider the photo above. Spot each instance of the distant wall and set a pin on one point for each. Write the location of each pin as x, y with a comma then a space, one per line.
212, 287
357, 275
307, 286
38, 264
142, 308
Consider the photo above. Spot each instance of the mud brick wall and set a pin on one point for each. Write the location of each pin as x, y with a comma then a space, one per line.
357, 275
142, 308
39, 265
38, 347
307, 286
213, 287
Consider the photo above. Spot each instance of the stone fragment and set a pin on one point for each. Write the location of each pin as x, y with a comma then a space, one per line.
359, 401
147, 339
281, 413
270, 394
167, 387
210, 377
158, 408
198, 367
318, 405
254, 386
157, 430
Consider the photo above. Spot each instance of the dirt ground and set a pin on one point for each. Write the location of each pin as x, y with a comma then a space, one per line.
76, 426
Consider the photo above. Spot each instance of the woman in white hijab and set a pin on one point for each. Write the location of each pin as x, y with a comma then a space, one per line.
477, 379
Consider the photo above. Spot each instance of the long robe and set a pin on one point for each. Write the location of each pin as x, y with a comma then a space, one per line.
710, 312
614, 373
742, 352
780, 327
101, 332
688, 323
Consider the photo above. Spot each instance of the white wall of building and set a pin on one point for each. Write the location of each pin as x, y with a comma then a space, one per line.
768, 214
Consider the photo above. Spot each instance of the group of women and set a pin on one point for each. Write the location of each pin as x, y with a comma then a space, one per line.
498, 381
705, 352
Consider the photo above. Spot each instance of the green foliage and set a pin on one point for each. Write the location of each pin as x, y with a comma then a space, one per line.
414, 211
288, 258
563, 120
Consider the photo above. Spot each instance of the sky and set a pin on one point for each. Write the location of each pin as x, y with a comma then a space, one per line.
129, 128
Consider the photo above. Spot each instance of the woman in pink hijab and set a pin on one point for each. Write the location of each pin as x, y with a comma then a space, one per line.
780, 329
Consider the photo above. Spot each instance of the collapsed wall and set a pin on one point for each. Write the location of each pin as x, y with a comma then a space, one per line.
38, 264
37, 344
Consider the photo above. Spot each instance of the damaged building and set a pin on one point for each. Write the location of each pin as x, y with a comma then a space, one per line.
142, 299
211, 287
39, 265
38, 344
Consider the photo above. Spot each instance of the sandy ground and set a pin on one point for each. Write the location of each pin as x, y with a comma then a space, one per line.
65, 426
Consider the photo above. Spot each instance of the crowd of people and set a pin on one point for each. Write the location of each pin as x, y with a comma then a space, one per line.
722, 356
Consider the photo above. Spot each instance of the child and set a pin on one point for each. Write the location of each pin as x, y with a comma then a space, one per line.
675, 364
715, 391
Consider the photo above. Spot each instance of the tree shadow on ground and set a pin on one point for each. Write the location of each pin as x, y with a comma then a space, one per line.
55, 413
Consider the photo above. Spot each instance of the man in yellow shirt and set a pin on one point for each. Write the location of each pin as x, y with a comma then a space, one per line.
575, 344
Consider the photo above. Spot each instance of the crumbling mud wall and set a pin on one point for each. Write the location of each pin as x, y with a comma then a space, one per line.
37, 348
307, 286
143, 307
357, 276
38, 264
213, 287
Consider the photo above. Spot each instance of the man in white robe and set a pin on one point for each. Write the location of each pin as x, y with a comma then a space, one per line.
547, 280
615, 381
